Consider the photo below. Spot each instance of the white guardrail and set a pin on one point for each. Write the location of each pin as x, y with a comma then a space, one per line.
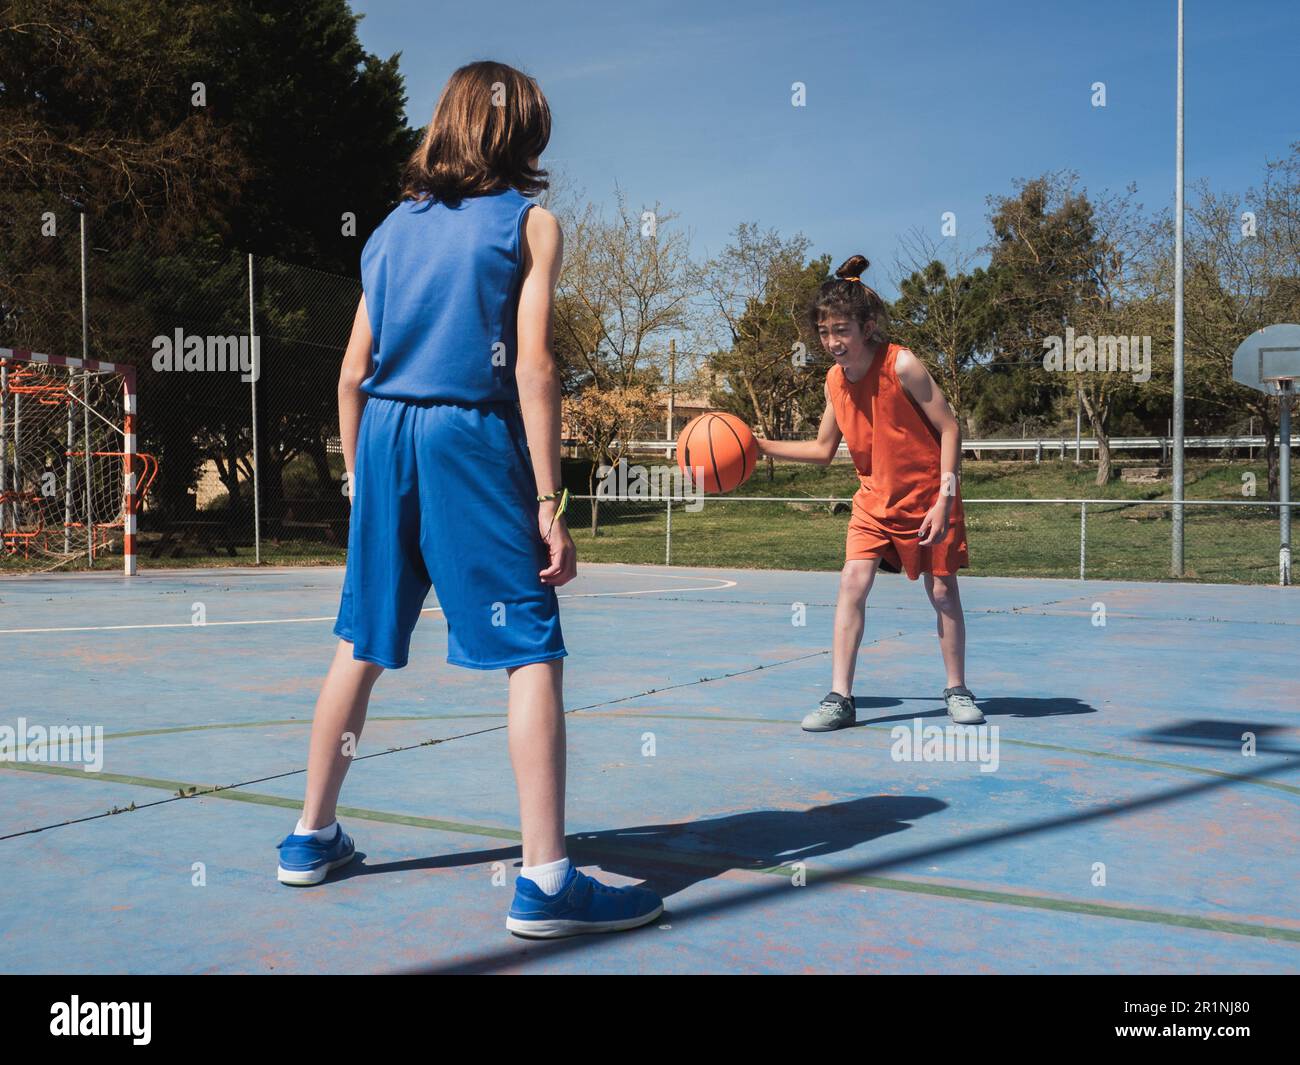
1041, 445
1038, 445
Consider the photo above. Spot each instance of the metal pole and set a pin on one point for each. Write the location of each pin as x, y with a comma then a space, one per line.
1078, 425
1083, 538
4, 441
672, 392
252, 347
67, 478
1284, 482
1177, 561
89, 523
668, 538
129, 518
85, 428
18, 454
18, 457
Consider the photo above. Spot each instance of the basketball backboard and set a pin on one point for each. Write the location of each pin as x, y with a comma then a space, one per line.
1268, 357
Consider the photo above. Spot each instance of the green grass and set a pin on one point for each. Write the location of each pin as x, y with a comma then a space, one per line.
1223, 544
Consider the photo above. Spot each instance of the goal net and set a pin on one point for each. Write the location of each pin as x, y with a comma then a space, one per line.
71, 480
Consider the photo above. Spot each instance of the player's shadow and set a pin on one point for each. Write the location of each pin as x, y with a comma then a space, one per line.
1008, 706
688, 852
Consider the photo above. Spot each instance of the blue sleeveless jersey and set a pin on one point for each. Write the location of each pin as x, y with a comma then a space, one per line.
442, 293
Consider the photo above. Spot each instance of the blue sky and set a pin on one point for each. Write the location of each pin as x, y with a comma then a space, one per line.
913, 109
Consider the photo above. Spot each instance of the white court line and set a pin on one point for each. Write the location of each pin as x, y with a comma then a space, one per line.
720, 584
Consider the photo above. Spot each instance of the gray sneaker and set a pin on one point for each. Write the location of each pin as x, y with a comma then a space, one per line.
835, 711
961, 706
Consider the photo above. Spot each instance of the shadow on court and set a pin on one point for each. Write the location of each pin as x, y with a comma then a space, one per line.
657, 868
685, 854
995, 707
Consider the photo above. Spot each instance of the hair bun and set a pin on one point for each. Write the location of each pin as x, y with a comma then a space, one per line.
853, 266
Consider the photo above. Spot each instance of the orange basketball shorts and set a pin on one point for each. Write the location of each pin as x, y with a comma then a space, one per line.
900, 551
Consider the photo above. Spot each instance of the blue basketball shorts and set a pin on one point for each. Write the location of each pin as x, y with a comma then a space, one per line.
443, 495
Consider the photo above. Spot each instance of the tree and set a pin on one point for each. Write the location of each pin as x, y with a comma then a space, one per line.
188, 131
606, 420
944, 314
624, 285
1242, 273
757, 289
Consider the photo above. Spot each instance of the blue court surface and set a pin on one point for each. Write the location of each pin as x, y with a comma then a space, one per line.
1115, 822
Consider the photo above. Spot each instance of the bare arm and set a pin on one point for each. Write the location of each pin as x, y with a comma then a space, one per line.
355, 369
918, 383
538, 381
820, 451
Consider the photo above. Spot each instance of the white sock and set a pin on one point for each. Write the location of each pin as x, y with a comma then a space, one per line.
326, 833
549, 877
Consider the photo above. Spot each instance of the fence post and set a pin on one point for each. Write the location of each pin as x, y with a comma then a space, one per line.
1284, 482
668, 536
4, 446
130, 481
257, 372
85, 392
1083, 537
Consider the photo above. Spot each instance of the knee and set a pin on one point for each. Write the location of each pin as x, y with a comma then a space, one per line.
855, 579
943, 594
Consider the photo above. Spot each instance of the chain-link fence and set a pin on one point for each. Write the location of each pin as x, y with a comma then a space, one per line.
248, 468
237, 363
1227, 541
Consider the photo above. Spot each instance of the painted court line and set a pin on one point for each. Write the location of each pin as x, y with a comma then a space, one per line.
938, 890
723, 719
720, 584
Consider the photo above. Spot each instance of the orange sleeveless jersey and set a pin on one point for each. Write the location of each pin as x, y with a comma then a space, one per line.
896, 452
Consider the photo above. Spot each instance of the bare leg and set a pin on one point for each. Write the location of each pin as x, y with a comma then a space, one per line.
850, 620
946, 597
340, 710
538, 756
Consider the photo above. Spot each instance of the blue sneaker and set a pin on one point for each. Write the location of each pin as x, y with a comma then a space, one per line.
306, 860
582, 905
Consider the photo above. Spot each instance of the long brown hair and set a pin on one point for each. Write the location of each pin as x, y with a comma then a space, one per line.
846, 295
490, 120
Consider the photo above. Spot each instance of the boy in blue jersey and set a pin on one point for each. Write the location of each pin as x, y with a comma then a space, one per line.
449, 412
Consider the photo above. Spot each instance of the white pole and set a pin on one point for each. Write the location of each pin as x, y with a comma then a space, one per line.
1078, 425
89, 524
1177, 562
672, 393
1284, 482
1083, 538
257, 368
668, 535
4, 443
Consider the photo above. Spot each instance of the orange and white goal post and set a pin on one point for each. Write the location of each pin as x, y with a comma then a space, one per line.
71, 474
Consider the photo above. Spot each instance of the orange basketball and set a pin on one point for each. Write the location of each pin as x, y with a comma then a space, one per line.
723, 448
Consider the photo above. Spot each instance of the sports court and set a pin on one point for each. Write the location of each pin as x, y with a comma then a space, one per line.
1119, 752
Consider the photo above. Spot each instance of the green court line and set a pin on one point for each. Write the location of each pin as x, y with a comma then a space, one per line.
1038, 902
235, 793
1276, 785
